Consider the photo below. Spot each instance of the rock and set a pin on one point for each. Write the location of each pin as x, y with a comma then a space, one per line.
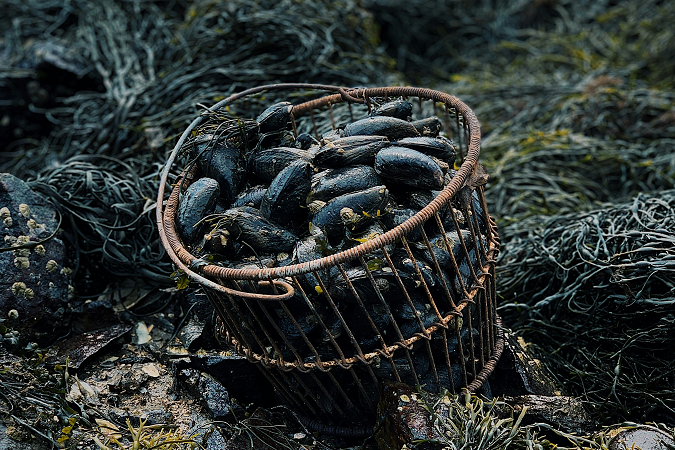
92, 314
191, 335
34, 277
213, 395
564, 413
125, 379
240, 377
520, 373
213, 440
405, 420
81, 347
642, 437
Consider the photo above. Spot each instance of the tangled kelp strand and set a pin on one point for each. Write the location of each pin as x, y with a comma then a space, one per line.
108, 214
534, 172
596, 291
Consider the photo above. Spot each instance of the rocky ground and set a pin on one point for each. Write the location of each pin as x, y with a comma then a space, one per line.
101, 349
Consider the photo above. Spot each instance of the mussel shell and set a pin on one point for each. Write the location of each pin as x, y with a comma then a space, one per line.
219, 159
247, 225
358, 322
266, 164
430, 126
284, 200
401, 109
332, 183
428, 380
332, 135
250, 197
198, 201
396, 216
403, 262
365, 204
391, 127
385, 280
276, 118
309, 249
409, 167
349, 151
420, 361
440, 250
438, 147
304, 141
420, 198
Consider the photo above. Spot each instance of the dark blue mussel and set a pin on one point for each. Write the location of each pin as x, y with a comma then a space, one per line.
250, 197
391, 127
246, 225
420, 367
276, 118
409, 167
284, 201
441, 251
349, 151
404, 263
430, 126
312, 248
350, 211
429, 382
401, 109
438, 147
219, 159
385, 281
304, 141
198, 201
361, 322
396, 216
332, 183
266, 164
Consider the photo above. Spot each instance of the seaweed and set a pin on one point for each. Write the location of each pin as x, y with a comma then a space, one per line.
596, 292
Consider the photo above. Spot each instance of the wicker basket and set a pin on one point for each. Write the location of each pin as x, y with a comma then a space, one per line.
332, 373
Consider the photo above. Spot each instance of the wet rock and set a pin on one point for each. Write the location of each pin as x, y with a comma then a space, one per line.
240, 377
642, 437
194, 334
81, 347
34, 277
213, 440
92, 315
519, 372
128, 379
405, 420
213, 395
564, 413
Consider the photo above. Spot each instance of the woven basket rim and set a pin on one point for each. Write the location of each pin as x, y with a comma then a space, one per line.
186, 261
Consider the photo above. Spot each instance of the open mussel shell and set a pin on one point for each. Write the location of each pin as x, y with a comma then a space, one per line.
352, 210
401, 109
391, 127
349, 151
284, 200
266, 164
438, 147
276, 118
332, 183
408, 167
220, 159
197, 202
246, 225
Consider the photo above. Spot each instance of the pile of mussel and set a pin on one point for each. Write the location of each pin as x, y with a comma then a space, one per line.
270, 197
